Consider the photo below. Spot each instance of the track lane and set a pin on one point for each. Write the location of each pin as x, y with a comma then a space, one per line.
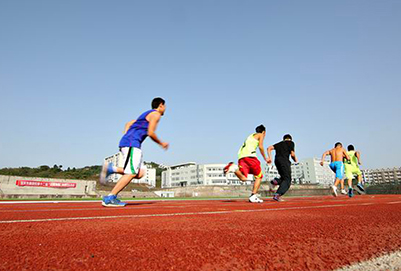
249, 237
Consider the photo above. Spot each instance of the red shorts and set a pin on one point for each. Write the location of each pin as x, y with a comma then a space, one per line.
250, 165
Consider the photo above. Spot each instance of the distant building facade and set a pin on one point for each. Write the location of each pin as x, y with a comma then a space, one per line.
192, 174
117, 159
308, 171
382, 175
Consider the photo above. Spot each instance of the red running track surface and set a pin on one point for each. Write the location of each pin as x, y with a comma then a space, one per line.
318, 233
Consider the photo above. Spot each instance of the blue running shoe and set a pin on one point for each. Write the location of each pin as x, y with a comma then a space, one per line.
350, 192
107, 169
360, 189
112, 201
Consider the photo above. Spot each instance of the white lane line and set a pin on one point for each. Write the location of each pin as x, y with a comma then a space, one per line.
174, 214
93, 209
394, 202
94, 201
391, 261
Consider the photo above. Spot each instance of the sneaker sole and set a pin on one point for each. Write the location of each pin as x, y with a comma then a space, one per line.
333, 192
112, 205
360, 191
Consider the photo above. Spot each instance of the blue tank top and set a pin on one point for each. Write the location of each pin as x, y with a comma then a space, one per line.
137, 133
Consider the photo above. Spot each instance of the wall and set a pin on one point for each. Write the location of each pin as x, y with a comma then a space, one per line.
9, 188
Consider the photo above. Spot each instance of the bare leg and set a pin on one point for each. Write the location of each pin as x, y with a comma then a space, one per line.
240, 176
120, 170
342, 184
122, 183
349, 182
360, 179
256, 185
337, 182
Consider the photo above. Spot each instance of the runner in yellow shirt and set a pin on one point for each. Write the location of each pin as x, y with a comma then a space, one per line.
352, 168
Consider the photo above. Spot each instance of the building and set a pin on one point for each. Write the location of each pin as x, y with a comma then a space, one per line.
382, 175
308, 171
271, 172
117, 159
314, 173
192, 174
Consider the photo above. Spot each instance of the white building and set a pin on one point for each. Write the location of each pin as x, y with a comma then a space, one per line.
381, 175
314, 173
191, 174
117, 159
271, 172
308, 171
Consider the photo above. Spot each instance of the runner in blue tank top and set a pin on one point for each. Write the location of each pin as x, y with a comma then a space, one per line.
135, 132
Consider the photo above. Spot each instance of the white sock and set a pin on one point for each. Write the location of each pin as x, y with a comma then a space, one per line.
233, 168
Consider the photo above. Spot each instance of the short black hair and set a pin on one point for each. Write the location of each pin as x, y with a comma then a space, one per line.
338, 144
260, 129
351, 148
157, 101
287, 136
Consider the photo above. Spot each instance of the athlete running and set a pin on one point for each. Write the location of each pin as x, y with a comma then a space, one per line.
135, 132
352, 167
337, 155
248, 162
284, 150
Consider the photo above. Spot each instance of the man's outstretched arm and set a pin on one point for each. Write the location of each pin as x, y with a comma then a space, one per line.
154, 118
358, 155
294, 157
323, 157
269, 154
261, 148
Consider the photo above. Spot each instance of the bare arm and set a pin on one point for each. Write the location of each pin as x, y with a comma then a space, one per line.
154, 119
346, 155
293, 156
128, 125
269, 154
358, 155
323, 157
261, 149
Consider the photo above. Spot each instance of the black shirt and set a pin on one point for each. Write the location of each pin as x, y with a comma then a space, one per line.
283, 149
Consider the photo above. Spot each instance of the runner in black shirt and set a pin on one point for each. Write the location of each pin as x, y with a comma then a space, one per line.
284, 150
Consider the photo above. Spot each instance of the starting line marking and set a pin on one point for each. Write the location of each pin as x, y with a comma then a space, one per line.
394, 202
174, 214
391, 261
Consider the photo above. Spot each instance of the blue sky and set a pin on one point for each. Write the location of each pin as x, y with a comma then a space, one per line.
72, 73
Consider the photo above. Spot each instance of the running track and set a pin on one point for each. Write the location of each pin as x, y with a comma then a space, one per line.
318, 233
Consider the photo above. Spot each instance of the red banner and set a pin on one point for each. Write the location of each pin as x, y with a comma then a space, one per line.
45, 184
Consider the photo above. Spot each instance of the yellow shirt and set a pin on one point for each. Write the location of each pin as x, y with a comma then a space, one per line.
249, 147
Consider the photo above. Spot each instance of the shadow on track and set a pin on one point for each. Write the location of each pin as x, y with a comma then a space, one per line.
139, 203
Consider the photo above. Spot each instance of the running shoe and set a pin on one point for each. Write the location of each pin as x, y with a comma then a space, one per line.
107, 169
112, 201
350, 192
334, 190
360, 189
278, 198
255, 199
227, 168
230, 168
343, 192
272, 184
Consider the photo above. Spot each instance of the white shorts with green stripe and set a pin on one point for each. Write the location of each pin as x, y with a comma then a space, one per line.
132, 158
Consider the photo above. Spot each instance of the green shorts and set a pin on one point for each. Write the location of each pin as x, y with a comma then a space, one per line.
351, 170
